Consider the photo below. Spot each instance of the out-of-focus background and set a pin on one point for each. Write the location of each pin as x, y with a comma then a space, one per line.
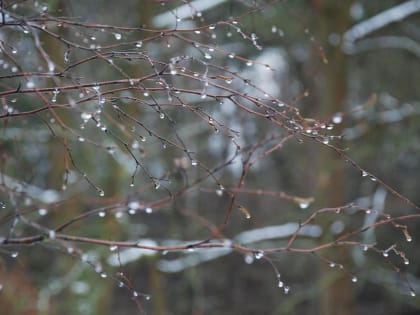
353, 65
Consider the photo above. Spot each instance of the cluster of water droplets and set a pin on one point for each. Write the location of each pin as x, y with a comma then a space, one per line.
281, 285
55, 93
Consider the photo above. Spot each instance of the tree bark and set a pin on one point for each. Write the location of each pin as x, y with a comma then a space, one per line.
336, 285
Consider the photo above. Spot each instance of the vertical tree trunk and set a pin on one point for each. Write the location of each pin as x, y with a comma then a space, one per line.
337, 297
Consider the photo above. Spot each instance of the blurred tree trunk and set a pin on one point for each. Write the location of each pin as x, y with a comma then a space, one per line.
337, 295
146, 12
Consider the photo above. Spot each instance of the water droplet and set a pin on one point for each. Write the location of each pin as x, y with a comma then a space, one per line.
219, 192
332, 265
207, 56
197, 31
407, 235
81, 139
203, 96
373, 179
157, 184
406, 261
273, 29
412, 293
118, 214
101, 214
304, 205
259, 255
113, 248
103, 275
134, 205
67, 56
70, 250
231, 55
146, 93
96, 87
194, 163
86, 116
365, 248
101, 192
135, 294
249, 63
117, 36
51, 234
385, 254
111, 150
161, 115
135, 144
337, 118
14, 254
364, 173
148, 210
286, 290
354, 279
51, 66
281, 284
147, 297
249, 259
139, 44
42, 212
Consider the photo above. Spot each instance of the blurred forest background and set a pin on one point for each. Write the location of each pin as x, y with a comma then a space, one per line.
160, 161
